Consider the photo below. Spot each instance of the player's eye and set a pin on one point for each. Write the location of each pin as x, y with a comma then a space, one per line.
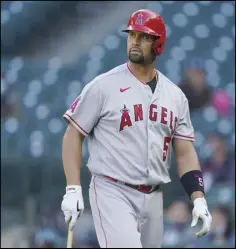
147, 37
131, 34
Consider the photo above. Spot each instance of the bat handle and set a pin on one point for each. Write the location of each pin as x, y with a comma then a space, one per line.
70, 237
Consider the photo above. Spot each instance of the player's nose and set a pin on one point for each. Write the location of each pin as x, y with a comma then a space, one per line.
136, 42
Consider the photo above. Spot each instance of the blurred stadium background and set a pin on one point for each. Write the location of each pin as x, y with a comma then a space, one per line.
49, 51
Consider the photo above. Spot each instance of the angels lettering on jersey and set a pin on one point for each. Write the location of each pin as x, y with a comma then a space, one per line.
166, 117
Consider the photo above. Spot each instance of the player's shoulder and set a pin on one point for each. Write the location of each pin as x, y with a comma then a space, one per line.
113, 75
105, 79
170, 85
115, 72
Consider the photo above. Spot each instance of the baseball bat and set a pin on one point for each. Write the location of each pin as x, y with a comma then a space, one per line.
70, 237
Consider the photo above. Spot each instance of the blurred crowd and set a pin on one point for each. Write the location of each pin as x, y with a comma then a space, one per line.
196, 88
219, 167
9, 100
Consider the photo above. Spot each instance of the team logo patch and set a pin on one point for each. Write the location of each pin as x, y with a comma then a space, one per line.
74, 104
139, 20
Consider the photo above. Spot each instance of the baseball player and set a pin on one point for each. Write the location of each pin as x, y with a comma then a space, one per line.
132, 116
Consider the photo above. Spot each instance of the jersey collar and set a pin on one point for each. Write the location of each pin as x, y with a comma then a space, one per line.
157, 75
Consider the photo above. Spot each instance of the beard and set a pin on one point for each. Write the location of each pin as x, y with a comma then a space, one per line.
138, 58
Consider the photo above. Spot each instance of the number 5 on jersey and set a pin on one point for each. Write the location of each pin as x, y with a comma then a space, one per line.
167, 141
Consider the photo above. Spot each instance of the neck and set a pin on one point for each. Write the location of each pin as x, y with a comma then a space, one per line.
144, 73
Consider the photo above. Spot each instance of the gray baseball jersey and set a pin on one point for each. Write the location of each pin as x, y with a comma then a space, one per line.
129, 128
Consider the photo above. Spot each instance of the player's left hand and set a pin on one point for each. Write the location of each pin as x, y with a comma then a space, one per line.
200, 211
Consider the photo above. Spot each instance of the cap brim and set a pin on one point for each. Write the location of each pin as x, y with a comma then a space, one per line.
141, 29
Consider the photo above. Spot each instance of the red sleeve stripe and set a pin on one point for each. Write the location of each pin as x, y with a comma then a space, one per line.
176, 134
75, 123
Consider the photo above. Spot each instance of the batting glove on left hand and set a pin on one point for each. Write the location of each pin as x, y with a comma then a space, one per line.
200, 210
72, 204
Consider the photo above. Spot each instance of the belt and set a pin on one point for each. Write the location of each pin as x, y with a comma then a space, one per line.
147, 189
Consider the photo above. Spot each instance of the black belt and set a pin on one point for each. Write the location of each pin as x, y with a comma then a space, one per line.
147, 189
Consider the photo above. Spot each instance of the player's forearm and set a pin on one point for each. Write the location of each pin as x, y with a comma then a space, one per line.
72, 155
187, 160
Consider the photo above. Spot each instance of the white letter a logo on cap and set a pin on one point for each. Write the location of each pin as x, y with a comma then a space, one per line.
139, 20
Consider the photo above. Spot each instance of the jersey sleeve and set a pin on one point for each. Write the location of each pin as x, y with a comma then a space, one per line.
184, 129
85, 111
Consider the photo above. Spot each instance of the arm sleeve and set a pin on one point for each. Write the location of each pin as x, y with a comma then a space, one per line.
85, 111
184, 129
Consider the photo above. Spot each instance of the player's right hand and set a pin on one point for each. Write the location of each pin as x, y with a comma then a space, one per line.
72, 204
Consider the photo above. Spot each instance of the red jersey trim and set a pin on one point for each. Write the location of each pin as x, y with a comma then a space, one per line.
70, 119
183, 136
